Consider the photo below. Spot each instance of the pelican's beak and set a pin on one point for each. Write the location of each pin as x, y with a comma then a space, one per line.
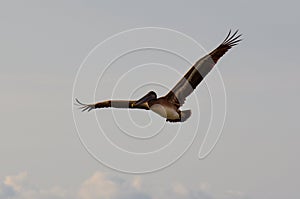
146, 98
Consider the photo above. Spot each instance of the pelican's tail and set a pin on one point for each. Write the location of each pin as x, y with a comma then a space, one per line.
184, 115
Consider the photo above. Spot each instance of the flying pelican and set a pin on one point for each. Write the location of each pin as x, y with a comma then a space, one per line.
168, 105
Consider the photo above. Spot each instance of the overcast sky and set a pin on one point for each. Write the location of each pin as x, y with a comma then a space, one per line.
44, 43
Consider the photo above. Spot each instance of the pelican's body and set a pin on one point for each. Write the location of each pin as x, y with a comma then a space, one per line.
163, 107
167, 111
168, 105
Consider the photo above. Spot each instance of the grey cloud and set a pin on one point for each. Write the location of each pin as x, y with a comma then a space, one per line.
6, 191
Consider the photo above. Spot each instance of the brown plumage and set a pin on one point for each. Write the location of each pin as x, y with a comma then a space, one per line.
168, 105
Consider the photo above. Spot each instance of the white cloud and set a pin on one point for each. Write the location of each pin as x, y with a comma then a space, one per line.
137, 182
16, 181
17, 187
235, 194
107, 186
179, 189
104, 186
98, 186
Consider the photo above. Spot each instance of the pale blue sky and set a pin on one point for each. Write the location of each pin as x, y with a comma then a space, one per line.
44, 42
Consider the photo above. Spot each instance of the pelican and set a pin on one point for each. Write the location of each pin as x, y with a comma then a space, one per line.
168, 105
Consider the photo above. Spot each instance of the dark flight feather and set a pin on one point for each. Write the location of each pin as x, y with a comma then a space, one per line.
199, 70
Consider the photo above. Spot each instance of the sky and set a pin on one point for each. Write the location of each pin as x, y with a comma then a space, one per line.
53, 51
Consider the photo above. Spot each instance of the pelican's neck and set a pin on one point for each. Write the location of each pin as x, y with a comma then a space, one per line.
151, 102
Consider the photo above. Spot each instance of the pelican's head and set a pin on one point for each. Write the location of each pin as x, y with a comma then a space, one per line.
148, 97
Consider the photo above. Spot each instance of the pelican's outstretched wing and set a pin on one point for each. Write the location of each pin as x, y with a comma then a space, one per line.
112, 103
199, 70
